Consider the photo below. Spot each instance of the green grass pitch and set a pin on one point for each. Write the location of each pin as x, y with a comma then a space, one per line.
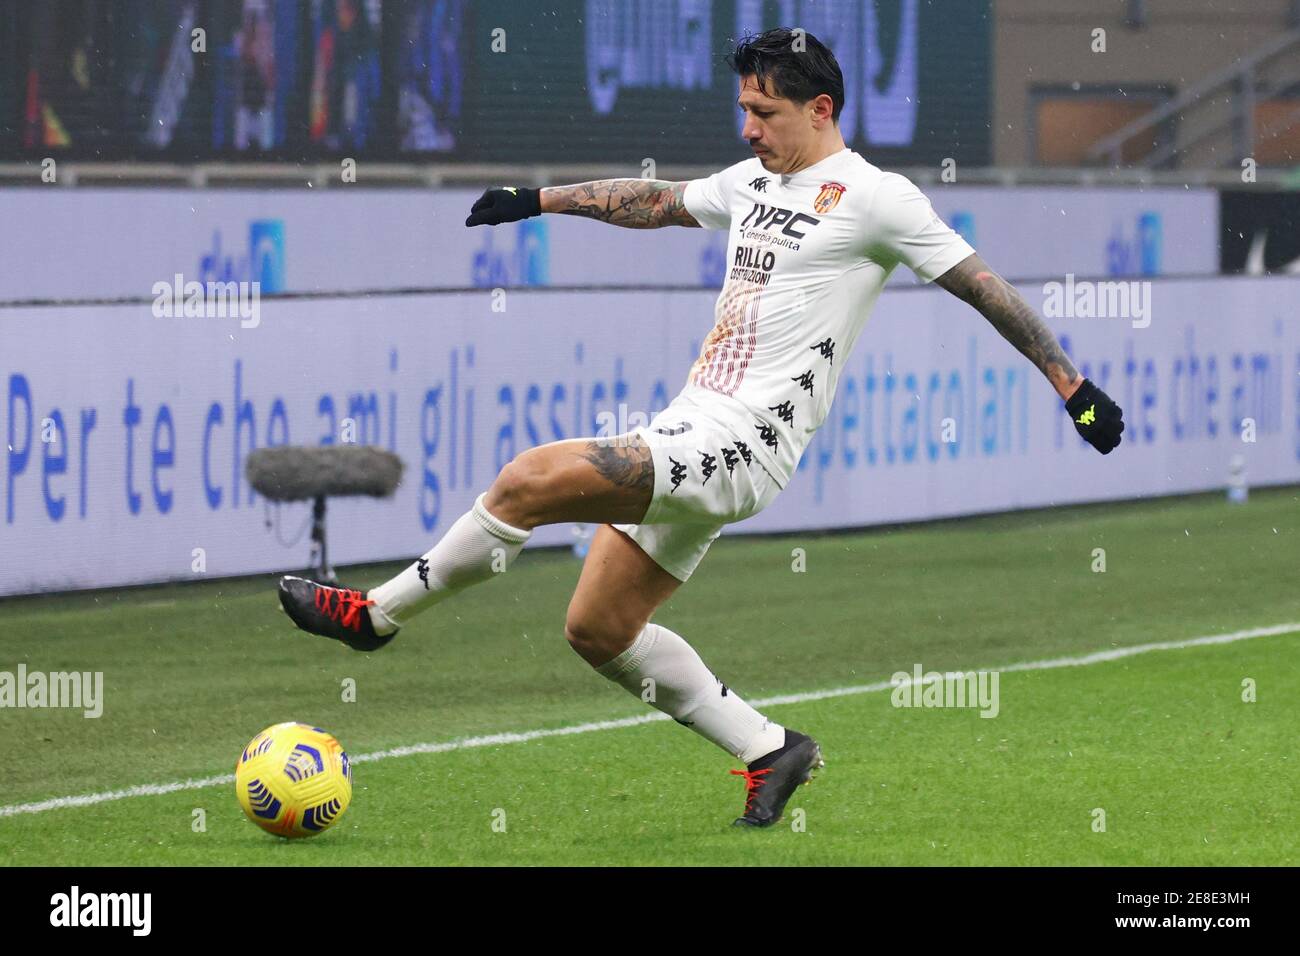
1186, 772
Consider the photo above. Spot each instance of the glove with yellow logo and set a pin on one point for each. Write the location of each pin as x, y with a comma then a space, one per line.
507, 204
1098, 419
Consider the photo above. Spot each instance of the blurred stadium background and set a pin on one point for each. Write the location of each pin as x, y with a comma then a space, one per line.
1146, 152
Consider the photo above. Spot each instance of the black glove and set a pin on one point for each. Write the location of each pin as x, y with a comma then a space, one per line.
1098, 419
506, 204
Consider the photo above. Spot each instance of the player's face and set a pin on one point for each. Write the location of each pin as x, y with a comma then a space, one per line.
779, 130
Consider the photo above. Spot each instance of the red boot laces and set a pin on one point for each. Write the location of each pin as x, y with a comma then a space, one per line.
752, 783
345, 608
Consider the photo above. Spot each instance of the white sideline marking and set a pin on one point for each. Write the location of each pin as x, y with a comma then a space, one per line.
492, 740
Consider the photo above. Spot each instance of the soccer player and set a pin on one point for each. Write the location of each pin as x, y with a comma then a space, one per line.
814, 231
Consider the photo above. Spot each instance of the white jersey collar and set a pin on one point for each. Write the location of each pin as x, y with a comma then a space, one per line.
817, 168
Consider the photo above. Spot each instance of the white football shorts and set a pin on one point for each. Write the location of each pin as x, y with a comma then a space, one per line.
705, 478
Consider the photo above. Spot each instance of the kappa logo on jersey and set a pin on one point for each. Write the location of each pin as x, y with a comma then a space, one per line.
422, 569
828, 198
681, 429
765, 217
827, 348
805, 381
758, 184
678, 473
708, 465
784, 411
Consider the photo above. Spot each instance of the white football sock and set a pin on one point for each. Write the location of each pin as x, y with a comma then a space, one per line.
476, 547
665, 672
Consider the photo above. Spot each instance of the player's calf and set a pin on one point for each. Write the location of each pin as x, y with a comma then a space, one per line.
478, 546
581, 480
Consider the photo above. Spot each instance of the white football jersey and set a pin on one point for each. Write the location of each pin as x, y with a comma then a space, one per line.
807, 257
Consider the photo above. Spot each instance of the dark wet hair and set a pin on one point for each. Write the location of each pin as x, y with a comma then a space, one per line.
795, 75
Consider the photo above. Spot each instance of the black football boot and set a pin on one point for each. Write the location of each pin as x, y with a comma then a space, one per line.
773, 778
340, 613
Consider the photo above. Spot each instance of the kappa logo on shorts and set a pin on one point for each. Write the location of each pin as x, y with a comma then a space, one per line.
681, 429
678, 474
729, 458
805, 381
745, 453
767, 433
422, 569
708, 465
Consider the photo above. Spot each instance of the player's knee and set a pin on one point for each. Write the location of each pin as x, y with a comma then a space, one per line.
598, 642
517, 490
581, 635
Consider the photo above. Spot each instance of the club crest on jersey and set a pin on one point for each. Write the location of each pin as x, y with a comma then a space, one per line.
828, 197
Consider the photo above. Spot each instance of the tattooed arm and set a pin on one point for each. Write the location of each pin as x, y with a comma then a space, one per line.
633, 203
971, 280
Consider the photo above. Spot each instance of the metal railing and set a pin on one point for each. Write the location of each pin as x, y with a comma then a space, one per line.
434, 175
1212, 122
